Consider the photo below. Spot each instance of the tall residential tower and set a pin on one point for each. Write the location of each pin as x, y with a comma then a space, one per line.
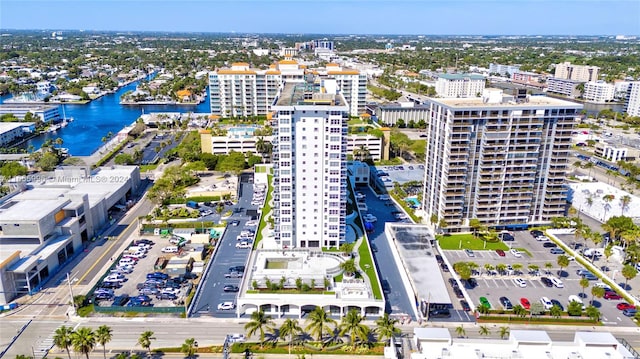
497, 158
309, 163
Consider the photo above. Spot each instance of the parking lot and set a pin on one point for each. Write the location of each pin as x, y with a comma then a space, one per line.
132, 282
495, 285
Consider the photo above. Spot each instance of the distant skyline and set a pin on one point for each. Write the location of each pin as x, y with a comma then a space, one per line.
417, 17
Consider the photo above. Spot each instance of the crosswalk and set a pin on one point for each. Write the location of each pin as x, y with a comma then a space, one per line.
42, 346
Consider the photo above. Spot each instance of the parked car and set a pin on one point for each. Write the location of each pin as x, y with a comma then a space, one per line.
549, 245
525, 303
230, 288
170, 249
629, 312
556, 251
440, 313
589, 276
557, 282
546, 303
126, 261
458, 292
370, 218
612, 295
149, 291
116, 278
506, 237
516, 253
471, 283
120, 300
469, 253
226, 306
243, 245
558, 304
625, 305
485, 302
575, 298
234, 223
520, 282
542, 239
506, 303
233, 275
465, 306
547, 282
157, 275
166, 296
500, 252
236, 338
111, 285
536, 233
386, 288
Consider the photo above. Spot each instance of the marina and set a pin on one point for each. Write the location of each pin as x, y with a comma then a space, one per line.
94, 120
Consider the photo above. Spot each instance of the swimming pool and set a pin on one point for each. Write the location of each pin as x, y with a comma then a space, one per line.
412, 200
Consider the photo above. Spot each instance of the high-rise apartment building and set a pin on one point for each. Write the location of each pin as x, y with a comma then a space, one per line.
598, 91
499, 159
459, 85
582, 73
309, 164
633, 99
244, 91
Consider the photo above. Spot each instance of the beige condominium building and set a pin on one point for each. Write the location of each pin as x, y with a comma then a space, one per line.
582, 73
240, 90
497, 158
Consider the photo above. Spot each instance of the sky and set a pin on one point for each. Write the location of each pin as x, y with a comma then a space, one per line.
412, 17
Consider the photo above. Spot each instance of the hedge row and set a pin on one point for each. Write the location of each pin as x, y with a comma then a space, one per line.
195, 199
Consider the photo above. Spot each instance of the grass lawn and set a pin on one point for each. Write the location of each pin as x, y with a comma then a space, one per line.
265, 210
366, 264
468, 242
145, 168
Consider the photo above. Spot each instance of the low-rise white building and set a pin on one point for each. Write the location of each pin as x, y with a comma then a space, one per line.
390, 113
357, 142
11, 131
598, 92
610, 152
564, 87
433, 343
47, 224
47, 113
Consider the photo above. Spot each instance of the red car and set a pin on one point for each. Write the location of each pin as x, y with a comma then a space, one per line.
500, 252
623, 306
612, 295
525, 303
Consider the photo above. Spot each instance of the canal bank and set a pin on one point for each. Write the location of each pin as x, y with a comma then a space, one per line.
95, 120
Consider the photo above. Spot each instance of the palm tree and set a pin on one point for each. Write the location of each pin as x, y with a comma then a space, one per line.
259, 322
548, 266
103, 336
484, 330
475, 226
596, 292
289, 328
319, 322
624, 201
145, 340
83, 340
517, 267
349, 266
504, 332
386, 327
519, 310
628, 272
555, 311
563, 261
584, 282
593, 313
460, 331
62, 338
189, 347
352, 324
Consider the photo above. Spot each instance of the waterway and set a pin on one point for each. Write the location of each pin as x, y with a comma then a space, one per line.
96, 119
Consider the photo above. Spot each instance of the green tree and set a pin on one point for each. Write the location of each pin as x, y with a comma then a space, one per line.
289, 329
596, 292
123, 159
563, 262
346, 249
574, 308
83, 341
386, 327
504, 332
104, 334
475, 226
12, 169
555, 311
189, 347
145, 340
349, 266
319, 323
460, 331
628, 272
352, 325
62, 338
484, 330
584, 283
258, 323
48, 161
617, 225
593, 313
519, 310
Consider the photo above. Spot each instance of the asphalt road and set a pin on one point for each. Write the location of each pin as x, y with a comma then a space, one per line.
227, 255
388, 269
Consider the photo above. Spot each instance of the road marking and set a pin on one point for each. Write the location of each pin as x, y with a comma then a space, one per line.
95, 263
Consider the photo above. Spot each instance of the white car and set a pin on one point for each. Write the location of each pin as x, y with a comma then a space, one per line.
575, 298
236, 338
251, 223
115, 278
546, 303
516, 253
520, 282
602, 285
170, 249
542, 238
126, 261
370, 218
226, 306
243, 245
170, 290
556, 282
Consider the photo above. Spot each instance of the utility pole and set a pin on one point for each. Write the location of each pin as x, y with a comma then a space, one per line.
73, 304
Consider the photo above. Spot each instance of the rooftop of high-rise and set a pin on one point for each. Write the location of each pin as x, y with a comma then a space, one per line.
496, 98
309, 93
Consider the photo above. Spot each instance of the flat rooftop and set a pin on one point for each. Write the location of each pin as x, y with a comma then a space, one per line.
533, 102
307, 93
30, 208
419, 258
8, 126
23, 106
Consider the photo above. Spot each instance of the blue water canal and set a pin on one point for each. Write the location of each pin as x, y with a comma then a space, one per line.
97, 118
